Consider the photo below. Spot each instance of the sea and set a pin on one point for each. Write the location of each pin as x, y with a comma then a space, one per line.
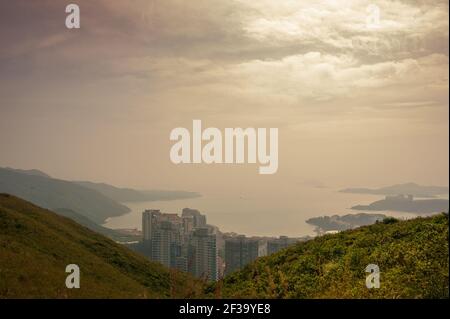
273, 216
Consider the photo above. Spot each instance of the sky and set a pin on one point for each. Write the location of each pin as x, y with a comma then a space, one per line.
358, 101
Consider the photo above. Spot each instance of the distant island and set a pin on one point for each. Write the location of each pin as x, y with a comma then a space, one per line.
406, 203
407, 188
334, 223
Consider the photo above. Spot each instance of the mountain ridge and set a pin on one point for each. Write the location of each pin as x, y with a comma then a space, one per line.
401, 189
94, 201
124, 194
407, 205
54, 193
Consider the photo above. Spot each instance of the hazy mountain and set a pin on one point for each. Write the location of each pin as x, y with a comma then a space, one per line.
349, 221
403, 204
54, 194
131, 195
34, 172
406, 189
37, 245
412, 257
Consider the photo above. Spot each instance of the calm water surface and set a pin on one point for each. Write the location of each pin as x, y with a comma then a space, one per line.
277, 216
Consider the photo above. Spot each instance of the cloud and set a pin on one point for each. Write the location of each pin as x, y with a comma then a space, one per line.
302, 58
348, 99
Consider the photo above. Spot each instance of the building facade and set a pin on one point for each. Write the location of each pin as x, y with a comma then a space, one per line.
185, 243
202, 258
239, 251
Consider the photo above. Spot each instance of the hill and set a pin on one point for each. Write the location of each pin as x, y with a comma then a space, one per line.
399, 189
122, 195
34, 172
53, 194
37, 244
412, 256
402, 203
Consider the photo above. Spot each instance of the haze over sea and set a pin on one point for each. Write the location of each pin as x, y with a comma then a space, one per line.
246, 214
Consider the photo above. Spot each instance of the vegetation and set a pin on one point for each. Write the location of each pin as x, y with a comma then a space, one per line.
390, 220
36, 245
349, 221
412, 257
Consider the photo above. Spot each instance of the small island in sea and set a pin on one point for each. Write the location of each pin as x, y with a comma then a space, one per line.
406, 203
406, 188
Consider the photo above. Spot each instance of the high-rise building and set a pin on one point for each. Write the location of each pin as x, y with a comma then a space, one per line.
239, 251
185, 243
188, 225
202, 255
275, 245
149, 219
199, 220
161, 236
149, 224
166, 244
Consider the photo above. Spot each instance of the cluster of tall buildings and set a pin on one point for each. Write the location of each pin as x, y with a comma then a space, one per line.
183, 242
241, 250
189, 244
277, 244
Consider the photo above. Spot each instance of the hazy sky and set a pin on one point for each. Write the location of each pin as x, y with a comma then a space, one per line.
356, 105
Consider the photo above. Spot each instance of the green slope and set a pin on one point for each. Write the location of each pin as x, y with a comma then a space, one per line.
412, 257
36, 245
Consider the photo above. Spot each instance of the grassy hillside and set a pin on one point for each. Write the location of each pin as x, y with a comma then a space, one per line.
412, 257
36, 245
